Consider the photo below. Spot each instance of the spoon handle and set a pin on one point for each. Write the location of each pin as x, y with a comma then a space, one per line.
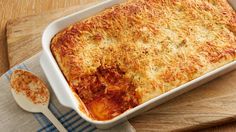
54, 120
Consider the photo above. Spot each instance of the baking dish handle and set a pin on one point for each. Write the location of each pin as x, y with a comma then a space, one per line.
59, 87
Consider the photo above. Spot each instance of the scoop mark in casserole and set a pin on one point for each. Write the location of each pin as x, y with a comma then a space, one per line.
135, 51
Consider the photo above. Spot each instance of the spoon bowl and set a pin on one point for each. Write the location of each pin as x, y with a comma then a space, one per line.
32, 95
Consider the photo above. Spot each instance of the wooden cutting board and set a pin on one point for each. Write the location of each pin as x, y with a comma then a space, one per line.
211, 104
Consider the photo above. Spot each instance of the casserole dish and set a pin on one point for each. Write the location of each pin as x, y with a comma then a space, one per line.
68, 98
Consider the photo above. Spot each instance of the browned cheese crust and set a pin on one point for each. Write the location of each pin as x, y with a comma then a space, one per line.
135, 51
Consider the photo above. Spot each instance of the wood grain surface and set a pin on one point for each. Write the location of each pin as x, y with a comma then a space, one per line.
209, 105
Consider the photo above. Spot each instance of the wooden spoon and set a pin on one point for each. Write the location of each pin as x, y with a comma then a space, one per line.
32, 95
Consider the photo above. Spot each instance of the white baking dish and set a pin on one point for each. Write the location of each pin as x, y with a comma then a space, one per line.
64, 92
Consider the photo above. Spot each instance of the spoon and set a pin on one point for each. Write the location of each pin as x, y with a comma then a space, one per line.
32, 95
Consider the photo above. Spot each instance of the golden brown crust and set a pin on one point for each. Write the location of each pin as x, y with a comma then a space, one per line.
157, 44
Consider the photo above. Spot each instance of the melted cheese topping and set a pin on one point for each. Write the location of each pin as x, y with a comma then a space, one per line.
135, 51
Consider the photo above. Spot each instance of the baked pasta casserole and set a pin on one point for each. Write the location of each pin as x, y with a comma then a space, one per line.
137, 50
